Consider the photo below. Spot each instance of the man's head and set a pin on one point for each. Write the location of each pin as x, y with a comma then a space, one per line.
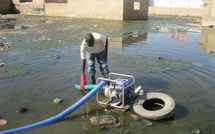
89, 39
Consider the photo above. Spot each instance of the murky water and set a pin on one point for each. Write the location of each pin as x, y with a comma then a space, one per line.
165, 54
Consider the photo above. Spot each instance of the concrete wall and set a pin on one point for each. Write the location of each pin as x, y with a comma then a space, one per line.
57, 9
36, 7
101, 9
5, 6
208, 17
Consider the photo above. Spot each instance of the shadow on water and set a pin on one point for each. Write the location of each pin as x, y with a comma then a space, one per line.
154, 83
180, 111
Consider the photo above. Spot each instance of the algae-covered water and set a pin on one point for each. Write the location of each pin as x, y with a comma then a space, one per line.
173, 55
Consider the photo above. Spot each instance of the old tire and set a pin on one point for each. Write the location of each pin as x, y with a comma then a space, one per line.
165, 102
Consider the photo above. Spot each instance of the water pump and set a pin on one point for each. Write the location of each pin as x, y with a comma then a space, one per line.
118, 92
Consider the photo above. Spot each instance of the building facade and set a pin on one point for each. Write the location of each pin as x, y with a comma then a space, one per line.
113, 9
100, 9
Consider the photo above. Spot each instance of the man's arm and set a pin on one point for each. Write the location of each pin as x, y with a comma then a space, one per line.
83, 56
83, 64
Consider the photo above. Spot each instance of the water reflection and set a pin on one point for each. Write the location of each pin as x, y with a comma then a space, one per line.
207, 40
180, 35
13, 26
128, 38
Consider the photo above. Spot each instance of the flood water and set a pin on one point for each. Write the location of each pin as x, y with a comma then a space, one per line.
173, 55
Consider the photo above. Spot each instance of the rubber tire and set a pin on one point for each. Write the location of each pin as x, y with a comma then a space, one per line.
166, 112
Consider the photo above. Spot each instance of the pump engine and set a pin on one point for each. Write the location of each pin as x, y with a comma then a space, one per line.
118, 91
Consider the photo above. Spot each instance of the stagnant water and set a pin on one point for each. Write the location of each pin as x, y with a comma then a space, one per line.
173, 55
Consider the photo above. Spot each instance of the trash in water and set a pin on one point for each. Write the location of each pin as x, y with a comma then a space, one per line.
21, 110
4, 45
102, 120
135, 117
57, 101
196, 131
2, 65
3, 122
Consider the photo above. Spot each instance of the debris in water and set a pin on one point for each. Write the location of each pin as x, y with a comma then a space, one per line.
135, 117
160, 58
57, 101
103, 128
196, 131
3, 122
85, 127
127, 132
102, 120
2, 65
146, 124
58, 56
22, 110
4, 45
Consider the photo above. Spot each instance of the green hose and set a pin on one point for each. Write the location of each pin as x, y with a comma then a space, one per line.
86, 87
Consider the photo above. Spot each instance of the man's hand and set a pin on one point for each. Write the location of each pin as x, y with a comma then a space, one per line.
83, 80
